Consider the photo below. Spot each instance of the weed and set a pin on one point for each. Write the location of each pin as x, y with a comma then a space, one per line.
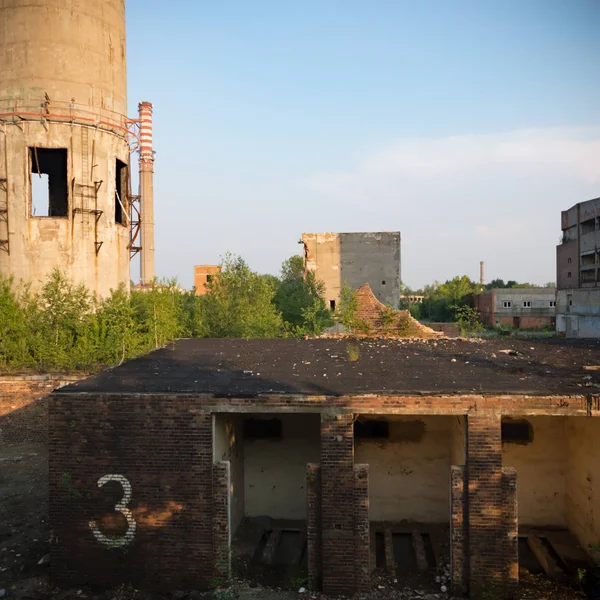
353, 352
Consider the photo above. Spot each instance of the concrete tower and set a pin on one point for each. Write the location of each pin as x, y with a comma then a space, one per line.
64, 149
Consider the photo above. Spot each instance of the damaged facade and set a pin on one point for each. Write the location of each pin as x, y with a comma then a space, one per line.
65, 143
578, 271
394, 454
355, 259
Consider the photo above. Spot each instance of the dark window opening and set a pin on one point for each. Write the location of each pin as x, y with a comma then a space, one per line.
120, 192
49, 189
517, 432
383, 283
569, 274
569, 260
588, 226
371, 429
209, 278
262, 429
332, 304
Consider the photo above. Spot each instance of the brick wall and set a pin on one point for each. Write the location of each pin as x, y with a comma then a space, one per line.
24, 407
163, 450
313, 525
484, 303
337, 502
458, 531
221, 520
362, 568
378, 318
489, 503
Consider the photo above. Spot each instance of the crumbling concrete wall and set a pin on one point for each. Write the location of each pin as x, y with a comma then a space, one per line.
541, 471
409, 471
583, 480
275, 470
355, 259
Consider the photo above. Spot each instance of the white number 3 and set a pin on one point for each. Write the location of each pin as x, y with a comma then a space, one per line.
121, 506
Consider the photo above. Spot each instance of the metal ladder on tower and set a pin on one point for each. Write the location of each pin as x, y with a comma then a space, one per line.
4, 245
85, 195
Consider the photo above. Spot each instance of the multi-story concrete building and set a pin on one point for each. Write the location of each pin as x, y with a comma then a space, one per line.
578, 271
65, 146
522, 308
355, 259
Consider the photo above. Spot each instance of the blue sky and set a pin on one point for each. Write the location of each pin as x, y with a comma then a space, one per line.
466, 125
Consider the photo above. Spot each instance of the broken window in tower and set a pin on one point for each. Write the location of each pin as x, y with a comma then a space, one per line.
120, 192
49, 189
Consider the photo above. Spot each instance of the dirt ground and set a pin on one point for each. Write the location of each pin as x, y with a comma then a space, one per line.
24, 544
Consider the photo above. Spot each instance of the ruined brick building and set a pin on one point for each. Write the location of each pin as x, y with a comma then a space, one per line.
475, 452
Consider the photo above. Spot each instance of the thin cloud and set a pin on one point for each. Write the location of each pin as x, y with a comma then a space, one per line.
575, 152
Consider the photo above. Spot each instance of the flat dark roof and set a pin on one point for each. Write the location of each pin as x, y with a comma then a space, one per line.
249, 367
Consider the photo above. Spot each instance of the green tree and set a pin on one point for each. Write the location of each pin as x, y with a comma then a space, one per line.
239, 303
299, 298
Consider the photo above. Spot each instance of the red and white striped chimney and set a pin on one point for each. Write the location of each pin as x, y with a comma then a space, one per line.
146, 193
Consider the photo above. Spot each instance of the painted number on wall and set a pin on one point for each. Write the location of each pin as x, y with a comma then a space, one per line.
121, 506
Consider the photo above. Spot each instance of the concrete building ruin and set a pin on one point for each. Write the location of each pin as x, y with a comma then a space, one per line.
394, 455
355, 259
65, 147
578, 271
521, 308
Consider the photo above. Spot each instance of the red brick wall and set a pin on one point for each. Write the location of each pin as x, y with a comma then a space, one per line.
337, 502
458, 531
485, 305
564, 253
371, 315
362, 568
221, 520
24, 407
313, 525
488, 530
164, 450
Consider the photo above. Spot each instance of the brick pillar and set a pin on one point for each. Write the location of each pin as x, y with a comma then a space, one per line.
511, 524
458, 531
337, 503
221, 529
361, 528
200, 554
488, 561
313, 525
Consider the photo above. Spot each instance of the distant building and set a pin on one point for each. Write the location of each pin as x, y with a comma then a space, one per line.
355, 259
203, 274
578, 271
522, 308
412, 299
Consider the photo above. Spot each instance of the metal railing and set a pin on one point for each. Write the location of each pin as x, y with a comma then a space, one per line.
17, 110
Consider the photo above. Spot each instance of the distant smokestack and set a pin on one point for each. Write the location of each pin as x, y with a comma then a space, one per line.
146, 193
481, 273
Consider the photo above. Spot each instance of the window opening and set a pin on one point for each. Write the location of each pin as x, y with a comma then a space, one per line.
568, 260
526, 303
569, 274
332, 304
209, 278
517, 432
507, 304
552, 303
371, 429
49, 189
383, 283
120, 192
262, 429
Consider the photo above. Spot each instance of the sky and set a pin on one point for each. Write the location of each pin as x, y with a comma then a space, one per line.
467, 125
